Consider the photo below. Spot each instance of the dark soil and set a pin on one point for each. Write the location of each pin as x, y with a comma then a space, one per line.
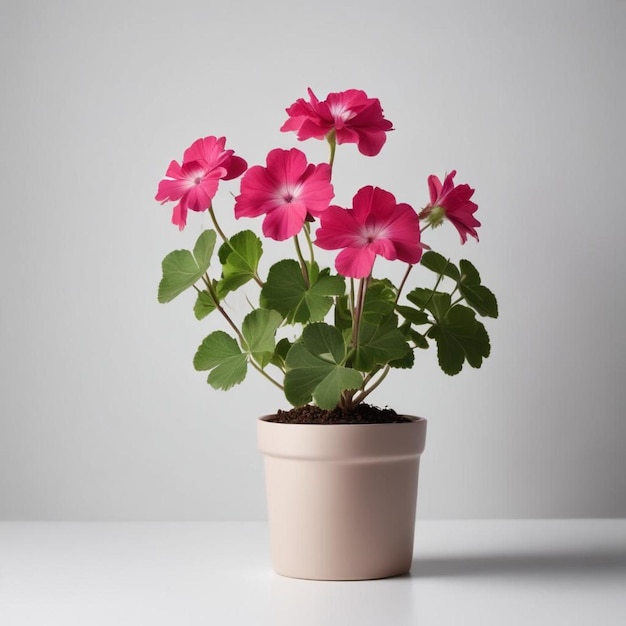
361, 414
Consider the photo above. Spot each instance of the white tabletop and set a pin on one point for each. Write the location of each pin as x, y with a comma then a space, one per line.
182, 574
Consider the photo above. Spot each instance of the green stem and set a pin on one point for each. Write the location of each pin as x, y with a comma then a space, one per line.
404, 279
347, 401
352, 302
264, 373
218, 306
358, 312
366, 392
332, 142
307, 234
220, 232
305, 271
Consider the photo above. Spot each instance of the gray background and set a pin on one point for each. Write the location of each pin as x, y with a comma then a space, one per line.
101, 413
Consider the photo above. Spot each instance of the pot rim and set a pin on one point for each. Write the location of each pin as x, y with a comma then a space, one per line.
334, 441
413, 418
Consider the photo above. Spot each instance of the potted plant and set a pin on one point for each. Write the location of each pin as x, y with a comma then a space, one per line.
341, 475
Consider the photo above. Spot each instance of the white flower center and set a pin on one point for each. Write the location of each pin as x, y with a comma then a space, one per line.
340, 112
288, 193
371, 232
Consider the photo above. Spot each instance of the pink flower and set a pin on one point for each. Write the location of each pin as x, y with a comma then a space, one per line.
374, 225
287, 191
353, 116
453, 203
194, 183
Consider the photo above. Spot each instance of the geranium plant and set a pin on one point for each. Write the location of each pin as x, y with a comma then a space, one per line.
326, 336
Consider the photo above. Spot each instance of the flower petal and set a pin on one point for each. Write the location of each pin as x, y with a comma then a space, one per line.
355, 262
179, 216
338, 229
284, 221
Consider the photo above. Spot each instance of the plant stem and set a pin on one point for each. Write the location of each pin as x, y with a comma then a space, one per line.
218, 306
358, 312
264, 373
220, 232
307, 234
404, 279
305, 271
352, 302
366, 392
332, 142
346, 400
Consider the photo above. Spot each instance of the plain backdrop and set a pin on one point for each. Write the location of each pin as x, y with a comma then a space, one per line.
102, 415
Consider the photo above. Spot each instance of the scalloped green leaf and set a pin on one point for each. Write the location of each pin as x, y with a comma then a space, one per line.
476, 295
259, 330
437, 302
286, 292
343, 317
280, 352
415, 316
460, 337
315, 369
182, 269
379, 344
413, 335
380, 300
440, 265
204, 305
239, 257
221, 354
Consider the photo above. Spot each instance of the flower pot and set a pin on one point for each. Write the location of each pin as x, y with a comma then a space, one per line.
341, 497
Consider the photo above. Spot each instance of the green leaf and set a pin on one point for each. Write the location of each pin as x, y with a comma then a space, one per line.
203, 249
413, 315
259, 330
379, 344
220, 353
343, 317
286, 292
182, 269
315, 370
280, 353
440, 265
460, 337
406, 362
380, 300
239, 257
477, 347
437, 302
420, 296
476, 295
410, 333
204, 305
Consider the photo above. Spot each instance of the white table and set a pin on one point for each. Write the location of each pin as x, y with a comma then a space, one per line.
500, 573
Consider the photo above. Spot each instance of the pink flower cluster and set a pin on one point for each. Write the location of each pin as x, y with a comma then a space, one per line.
289, 191
351, 115
194, 183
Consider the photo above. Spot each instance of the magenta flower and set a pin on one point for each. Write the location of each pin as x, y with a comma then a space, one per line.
453, 203
194, 183
287, 191
375, 225
353, 116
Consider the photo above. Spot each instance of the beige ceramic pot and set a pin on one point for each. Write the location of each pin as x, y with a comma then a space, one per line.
341, 497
